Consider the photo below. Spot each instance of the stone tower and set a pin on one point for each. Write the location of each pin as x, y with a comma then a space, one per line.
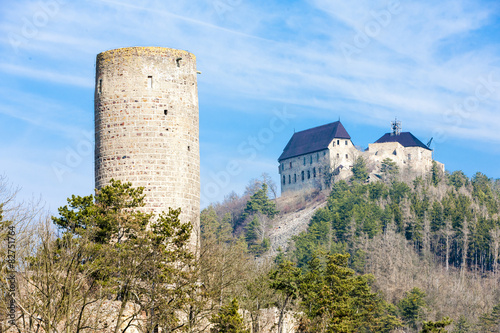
146, 127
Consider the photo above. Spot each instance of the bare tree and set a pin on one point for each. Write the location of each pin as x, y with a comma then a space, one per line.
495, 244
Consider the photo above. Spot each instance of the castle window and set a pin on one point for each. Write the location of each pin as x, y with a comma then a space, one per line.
150, 82
409, 156
317, 157
294, 177
338, 142
346, 142
282, 166
178, 60
324, 153
284, 180
165, 112
338, 155
346, 156
289, 179
100, 86
311, 161
304, 160
314, 172
302, 175
308, 174
290, 165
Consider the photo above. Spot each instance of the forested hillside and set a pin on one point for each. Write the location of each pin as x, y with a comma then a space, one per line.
453, 218
434, 240
392, 255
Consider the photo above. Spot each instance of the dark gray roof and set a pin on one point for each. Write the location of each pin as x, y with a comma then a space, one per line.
406, 139
313, 139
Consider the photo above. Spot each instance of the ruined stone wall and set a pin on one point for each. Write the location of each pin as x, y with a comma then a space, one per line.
147, 127
417, 159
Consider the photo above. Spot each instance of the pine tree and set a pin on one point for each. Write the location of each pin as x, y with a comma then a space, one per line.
259, 202
334, 299
285, 279
228, 320
359, 170
411, 307
491, 322
436, 327
462, 326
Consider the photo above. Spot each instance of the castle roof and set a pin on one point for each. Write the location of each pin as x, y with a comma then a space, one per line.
406, 139
313, 139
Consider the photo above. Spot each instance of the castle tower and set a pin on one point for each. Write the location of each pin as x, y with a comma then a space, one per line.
146, 127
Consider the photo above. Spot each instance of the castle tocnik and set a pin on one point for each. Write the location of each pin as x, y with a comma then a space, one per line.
312, 154
146, 127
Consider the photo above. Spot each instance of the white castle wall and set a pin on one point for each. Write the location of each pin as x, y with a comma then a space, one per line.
417, 159
341, 152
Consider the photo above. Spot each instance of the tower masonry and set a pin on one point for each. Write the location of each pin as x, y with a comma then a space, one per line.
147, 127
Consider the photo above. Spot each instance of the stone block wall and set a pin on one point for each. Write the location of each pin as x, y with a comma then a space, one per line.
306, 172
147, 127
417, 159
303, 172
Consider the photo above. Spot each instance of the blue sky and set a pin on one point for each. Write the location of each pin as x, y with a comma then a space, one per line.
268, 68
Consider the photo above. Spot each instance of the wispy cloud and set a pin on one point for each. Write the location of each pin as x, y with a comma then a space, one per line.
47, 75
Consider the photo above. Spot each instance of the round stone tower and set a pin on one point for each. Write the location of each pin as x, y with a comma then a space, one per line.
146, 127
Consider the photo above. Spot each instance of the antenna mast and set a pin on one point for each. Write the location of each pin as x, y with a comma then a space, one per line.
396, 127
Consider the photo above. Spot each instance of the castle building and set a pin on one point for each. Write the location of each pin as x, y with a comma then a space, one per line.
312, 154
146, 127
404, 149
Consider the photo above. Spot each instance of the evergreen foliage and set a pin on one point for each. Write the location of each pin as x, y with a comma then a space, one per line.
389, 167
437, 327
260, 203
107, 251
228, 320
435, 174
490, 322
110, 214
359, 170
411, 307
334, 299
462, 326
454, 219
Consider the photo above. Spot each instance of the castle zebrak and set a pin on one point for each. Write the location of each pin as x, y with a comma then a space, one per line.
328, 148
